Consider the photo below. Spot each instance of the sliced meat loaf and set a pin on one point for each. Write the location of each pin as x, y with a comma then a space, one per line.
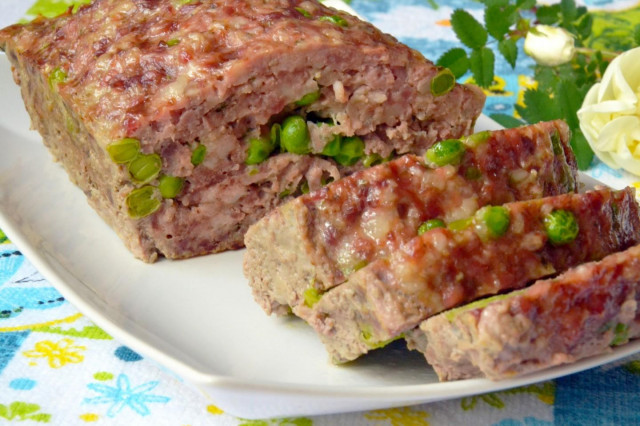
583, 312
498, 249
162, 111
316, 241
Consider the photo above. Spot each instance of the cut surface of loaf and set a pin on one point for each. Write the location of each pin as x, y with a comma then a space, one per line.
469, 259
313, 243
581, 313
152, 106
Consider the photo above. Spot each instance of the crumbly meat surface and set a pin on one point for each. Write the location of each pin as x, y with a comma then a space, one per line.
314, 242
583, 312
445, 268
177, 75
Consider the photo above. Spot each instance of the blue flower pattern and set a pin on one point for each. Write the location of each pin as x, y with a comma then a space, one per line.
123, 395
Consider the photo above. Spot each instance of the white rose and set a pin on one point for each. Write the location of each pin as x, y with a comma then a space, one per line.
610, 114
549, 45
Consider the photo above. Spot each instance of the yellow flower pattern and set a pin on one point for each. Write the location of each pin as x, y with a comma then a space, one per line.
58, 354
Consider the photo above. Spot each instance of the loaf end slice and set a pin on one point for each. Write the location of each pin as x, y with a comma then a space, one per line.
584, 312
195, 85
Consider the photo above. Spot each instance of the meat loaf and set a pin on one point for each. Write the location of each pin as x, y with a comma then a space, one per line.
314, 242
498, 249
168, 113
581, 313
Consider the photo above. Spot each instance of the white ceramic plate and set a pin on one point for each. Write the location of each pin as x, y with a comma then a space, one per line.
197, 317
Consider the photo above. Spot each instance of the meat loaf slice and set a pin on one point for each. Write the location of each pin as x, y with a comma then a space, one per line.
316, 241
581, 313
163, 111
498, 249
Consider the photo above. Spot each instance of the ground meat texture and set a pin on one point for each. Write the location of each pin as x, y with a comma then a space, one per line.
177, 75
314, 242
585, 311
445, 268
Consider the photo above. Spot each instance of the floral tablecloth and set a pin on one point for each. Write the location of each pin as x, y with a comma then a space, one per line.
57, 367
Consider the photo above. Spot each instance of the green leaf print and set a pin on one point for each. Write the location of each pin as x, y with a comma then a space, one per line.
3, 237
289, 421
633, 367
89, 332
491, 399
546, 392
21, 411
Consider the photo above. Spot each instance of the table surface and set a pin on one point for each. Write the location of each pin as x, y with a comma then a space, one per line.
57, 367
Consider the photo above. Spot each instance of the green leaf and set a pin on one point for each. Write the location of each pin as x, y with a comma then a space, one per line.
507, 121
636, 35
546, 77
581, 11
584, 153
538, 107
482, 66
584, 26
525, 4
490, 3
509, 51
499, 19
469, 31
568, 10
569, 101
548, 15
456, 60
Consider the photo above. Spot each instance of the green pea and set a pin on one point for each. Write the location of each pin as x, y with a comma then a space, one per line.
124, 150
621, 334
332, 148
445, 152
472, 173
143, 201
476, 139
461, 224
285, 193
259, 150
372, 160
56, 77
274, 135
443, 82
304, 187
308, 99
351, 150
145, 167
170, 186
496, 219
429, 225
294, 136
326, 180
556, 144
311, 296
303, 12
198, 154
335, 19
173, 42
561, 227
